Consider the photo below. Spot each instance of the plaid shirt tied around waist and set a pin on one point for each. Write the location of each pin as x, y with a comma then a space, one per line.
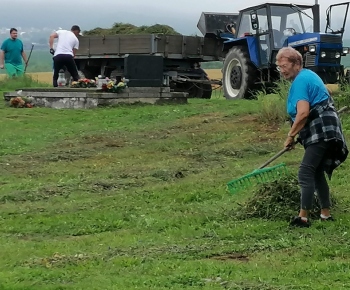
323, 124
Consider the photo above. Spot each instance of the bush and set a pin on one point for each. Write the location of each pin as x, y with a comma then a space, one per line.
273, 106
342, 97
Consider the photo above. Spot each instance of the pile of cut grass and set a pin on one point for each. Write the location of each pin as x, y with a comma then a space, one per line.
278, 200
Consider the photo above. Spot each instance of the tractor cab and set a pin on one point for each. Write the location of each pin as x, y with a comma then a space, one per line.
272, 24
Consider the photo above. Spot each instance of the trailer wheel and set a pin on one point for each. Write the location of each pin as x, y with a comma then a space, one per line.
238, 75
202, 91
194, 90
207, 91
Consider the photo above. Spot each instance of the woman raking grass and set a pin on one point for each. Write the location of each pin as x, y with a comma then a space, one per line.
315, 119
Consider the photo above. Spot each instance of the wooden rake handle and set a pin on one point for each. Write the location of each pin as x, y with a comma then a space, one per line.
342, 109
284, 150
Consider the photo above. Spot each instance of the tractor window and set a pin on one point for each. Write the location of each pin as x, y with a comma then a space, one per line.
291, 17
263, 23
308, 22
293, 21
245, 25
337, 14
300, 22
276, 22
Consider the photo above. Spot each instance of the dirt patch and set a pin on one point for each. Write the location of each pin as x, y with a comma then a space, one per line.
59, 152
184, 251
57, 260
220, 155
168, 175
43, 193
68, 155
115, 185
197, 122
230, 257
247, 119
103, 140
12, 117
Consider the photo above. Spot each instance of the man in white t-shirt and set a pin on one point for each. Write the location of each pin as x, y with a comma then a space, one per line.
63, 56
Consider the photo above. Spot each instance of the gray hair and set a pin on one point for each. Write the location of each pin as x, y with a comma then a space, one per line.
291, 54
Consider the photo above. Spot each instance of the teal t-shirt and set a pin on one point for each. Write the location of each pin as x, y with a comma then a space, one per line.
13, 49
307, 86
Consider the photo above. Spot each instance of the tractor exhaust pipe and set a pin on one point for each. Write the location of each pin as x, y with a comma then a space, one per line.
316, 12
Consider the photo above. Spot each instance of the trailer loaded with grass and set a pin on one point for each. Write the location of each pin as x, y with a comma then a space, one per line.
157, 59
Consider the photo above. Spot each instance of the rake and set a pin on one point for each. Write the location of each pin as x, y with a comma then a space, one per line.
260, 175
263, 174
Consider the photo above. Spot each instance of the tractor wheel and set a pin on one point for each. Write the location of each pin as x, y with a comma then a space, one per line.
238, 75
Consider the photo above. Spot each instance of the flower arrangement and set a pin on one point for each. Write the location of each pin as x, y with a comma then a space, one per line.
113, 87
21, 102
83, 83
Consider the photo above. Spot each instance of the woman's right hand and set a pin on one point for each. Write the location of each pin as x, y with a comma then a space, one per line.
289, 143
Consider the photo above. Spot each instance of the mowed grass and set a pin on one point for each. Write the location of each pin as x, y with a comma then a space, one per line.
134, 197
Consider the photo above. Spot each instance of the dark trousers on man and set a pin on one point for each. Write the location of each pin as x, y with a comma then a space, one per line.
64, 60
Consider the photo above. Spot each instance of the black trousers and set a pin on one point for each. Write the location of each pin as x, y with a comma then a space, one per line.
311, 176
64, 60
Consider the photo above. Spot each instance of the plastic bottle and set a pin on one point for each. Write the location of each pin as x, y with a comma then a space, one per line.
99, 82
61, 81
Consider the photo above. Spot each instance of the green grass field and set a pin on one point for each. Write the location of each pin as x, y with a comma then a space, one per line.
134, 197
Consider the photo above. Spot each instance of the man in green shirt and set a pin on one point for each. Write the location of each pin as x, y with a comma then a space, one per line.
11, 55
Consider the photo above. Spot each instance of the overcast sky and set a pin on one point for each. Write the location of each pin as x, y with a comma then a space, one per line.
182, 15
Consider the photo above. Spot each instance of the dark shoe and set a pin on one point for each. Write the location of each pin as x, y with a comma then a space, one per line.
329, 219
298, 222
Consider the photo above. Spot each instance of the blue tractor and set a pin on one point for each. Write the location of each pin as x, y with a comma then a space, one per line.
251, 44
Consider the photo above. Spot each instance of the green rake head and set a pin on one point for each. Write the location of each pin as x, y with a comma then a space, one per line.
256, 177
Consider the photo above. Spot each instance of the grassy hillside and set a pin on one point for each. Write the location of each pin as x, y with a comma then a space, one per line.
134, 197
